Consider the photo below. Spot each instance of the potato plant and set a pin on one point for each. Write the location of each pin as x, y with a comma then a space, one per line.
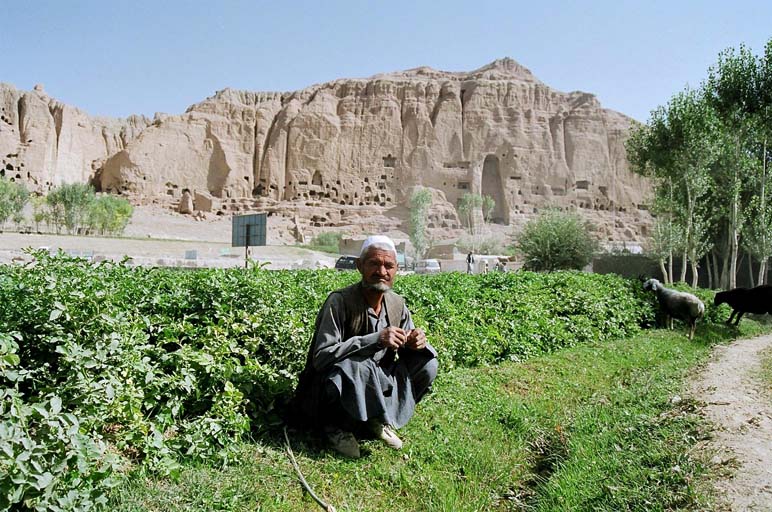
106, 366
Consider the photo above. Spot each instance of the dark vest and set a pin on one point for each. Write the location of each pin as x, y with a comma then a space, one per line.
306, 402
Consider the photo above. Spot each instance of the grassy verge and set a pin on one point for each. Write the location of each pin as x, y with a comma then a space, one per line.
594, 427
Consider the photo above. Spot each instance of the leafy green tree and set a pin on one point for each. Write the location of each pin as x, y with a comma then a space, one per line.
758, 234
109, 215
39, 210
556, 240
468, 207
694, 128
472, 208
676, 149
420, 201
488, 205
328, 241
709, 151
69, 206
732, 90
666, 208
665, 238
13, 197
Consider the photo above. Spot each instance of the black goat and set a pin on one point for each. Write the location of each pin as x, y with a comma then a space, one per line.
746, 300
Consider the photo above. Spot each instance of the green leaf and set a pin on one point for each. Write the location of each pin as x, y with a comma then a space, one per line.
6, 448
56, 405
18, 493
44, 480
40, 410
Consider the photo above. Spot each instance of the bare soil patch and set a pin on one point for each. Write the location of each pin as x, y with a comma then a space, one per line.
157, 237
736, 402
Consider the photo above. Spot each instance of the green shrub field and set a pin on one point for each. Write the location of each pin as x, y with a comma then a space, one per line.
106, 366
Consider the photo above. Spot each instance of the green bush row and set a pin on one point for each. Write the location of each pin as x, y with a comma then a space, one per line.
106, 363
74, 207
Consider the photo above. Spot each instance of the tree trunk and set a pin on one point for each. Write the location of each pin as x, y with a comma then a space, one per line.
734, 218
663, 270
695, 274
670, 275
734, 252
684, 263
750, 269
690, 243
764, 257
724, 278
709, 269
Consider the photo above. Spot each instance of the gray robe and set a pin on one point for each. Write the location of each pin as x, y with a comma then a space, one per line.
350, 373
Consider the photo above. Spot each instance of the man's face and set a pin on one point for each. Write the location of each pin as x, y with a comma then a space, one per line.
378, 268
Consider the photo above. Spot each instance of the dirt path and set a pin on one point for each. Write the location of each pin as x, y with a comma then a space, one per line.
735, 401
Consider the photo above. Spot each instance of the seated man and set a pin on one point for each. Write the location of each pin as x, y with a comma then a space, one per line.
368, 365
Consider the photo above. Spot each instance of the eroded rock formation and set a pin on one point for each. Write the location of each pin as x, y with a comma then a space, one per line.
352, 149
45, 143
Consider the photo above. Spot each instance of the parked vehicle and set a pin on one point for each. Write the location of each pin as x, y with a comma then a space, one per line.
430, 266
346, 263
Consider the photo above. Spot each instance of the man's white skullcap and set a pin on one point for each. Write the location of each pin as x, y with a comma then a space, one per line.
380, 241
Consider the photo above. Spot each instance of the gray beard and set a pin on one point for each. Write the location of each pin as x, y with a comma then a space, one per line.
378, 287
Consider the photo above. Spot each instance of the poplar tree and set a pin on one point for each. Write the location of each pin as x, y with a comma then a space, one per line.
13, 197
708, 153
420, 201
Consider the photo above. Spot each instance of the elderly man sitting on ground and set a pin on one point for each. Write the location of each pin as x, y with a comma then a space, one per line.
368, 365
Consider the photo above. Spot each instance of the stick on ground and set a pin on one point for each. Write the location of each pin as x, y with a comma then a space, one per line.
326, 506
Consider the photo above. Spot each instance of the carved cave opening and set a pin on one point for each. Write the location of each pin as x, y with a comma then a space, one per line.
218, 170
492, 185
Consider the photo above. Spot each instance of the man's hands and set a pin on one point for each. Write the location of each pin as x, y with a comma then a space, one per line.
394, 338
416, 339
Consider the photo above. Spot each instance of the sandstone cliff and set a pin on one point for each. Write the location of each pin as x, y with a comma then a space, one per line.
346, 151
44, 142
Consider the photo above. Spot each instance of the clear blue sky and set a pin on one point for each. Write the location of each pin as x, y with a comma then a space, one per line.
120, 57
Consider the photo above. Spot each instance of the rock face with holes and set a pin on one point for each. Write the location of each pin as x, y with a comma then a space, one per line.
45, 143
349, 152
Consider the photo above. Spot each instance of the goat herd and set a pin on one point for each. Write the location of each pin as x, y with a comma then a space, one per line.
688, 308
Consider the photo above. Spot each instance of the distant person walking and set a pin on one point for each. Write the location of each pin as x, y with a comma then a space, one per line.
469, 262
